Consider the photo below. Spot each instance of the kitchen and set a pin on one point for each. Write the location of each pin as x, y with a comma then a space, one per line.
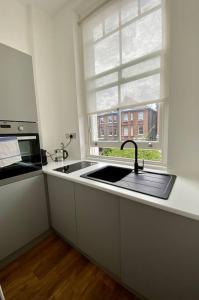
90, 224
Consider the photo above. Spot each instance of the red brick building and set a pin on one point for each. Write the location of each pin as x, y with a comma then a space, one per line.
139, 123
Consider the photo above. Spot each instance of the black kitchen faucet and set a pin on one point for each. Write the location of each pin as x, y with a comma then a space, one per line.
136, 165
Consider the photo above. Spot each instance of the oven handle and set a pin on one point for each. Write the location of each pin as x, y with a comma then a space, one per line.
24, 138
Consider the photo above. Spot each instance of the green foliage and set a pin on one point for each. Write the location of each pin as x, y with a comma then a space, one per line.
130, 153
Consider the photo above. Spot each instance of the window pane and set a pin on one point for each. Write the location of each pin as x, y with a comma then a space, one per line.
110, 119
129, 10
146, 66
125, 131
140, 116
111, 19
98, 32
148, 4
89, 62
115, 118
115, 131
107, 99
145, 89
101, 120
93, 29
146, 154
101, 132
107, 53
145, 120
140, 129
145, 123
142, 37
125, 116
107, 131
110, 131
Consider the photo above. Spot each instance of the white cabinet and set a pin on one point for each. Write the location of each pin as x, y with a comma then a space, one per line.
17, 91
159, 252
23, 213
62, 207
98, 226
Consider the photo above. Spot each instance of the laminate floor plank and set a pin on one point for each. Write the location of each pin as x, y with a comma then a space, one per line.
53, 270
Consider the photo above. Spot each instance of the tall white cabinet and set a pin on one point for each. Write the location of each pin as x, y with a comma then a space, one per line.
17, 90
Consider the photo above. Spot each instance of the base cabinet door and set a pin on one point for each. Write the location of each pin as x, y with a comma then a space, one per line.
23, 214
159, 252
98, 226
62, 207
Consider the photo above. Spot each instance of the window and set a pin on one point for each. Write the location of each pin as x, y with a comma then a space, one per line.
125, 117
140, 116
102, 132
124, 52
110, 119
110, 131
101, 120
115, 118
115, 131
140, 129
125, 131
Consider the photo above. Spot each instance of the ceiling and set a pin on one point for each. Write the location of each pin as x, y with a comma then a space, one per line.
82, 7
50, 6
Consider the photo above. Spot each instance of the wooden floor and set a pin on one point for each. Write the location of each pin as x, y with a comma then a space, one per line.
54, 270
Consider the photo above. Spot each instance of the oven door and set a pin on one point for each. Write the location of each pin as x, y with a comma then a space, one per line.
30, 156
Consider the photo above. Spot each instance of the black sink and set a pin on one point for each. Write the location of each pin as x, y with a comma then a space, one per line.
109, 173
153, 184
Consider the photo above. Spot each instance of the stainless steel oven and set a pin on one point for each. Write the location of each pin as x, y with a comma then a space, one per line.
26, 136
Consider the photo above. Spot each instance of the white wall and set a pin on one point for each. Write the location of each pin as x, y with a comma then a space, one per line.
66, 93
183, 150
43, 48
14, 25
31, 30
50, 42
54, 67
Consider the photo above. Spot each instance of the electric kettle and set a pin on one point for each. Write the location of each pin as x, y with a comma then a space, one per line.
60, 154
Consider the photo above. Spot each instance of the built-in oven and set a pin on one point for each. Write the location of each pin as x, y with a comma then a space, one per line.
25, 138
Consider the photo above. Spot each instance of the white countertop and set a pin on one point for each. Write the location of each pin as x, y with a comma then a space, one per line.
183, 200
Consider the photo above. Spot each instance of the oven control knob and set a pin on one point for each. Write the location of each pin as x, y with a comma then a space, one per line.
20, 128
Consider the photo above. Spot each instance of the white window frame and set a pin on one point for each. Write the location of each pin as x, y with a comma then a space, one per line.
163, 109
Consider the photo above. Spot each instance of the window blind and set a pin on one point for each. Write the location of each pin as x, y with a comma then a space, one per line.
123, 46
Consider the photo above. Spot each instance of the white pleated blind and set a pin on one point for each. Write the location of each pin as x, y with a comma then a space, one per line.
123, 47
